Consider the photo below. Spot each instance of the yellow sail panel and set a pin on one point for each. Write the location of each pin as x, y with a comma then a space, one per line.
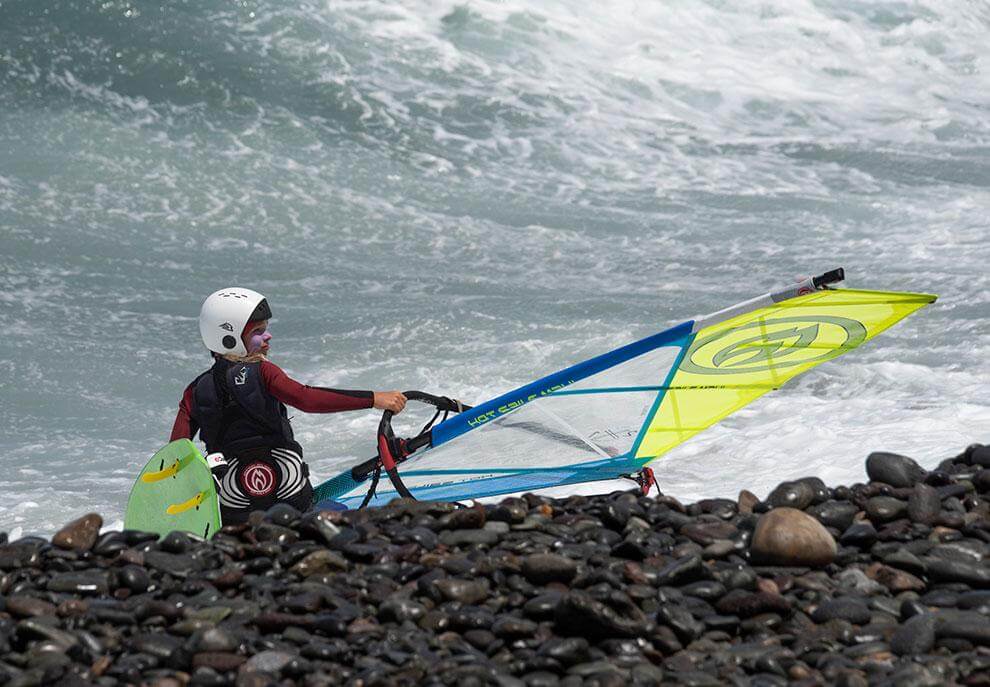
734, 362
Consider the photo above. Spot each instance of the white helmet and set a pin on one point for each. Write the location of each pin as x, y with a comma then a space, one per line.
224, 316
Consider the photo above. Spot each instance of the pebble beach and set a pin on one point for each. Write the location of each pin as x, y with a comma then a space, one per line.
885, 582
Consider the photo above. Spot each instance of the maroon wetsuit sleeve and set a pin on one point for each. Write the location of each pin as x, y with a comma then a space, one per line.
311, 399
185, 427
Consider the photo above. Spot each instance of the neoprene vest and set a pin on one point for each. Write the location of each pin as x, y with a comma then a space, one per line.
238, 418
235, 412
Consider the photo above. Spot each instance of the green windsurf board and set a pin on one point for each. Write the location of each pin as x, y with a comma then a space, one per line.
175, 491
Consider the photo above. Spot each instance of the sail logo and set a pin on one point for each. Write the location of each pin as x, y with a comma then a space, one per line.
771, 344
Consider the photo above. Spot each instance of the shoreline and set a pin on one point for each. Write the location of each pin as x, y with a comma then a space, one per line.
884, 582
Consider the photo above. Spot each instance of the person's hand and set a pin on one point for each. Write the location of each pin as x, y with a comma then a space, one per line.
390, 400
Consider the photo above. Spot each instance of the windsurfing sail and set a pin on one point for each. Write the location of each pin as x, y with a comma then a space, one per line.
612, 415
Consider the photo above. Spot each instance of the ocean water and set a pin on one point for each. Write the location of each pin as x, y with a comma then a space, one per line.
462, 196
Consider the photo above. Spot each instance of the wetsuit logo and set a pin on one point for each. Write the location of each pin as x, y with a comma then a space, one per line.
768, 345
241, 377
258, 479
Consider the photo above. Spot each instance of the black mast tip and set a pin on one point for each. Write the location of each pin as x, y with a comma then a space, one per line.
831, 277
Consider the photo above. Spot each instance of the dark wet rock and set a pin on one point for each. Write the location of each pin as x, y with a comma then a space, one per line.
835, 514
848, 608
683, 570
175, 542
748, 604
283, 515
463, 591
680, 620
785, 536
177, 565
894, 469
581, 615
861, 535
706, 589
947, 570
468, 537
215, 639
510, 627
881, 509
87, 582
541, 607
797, 495
134, 577
399, 610
924, 504
543, 568
156, 644
23, 606
911, 607
320, 562
567, 651
905, 560
109, 544
966, 625
270, 662
220, 661
978, 454
914, 637
80, 534
423, 536
705, 533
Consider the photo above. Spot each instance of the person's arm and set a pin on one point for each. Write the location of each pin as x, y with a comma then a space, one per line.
312, 399
184, 427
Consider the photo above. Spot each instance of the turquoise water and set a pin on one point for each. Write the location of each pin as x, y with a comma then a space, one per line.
459, 197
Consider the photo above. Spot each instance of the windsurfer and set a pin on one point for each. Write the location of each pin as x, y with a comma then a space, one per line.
238, 407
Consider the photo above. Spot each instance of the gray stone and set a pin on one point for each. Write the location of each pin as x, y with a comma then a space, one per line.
915, 637
469, 537
851, 609
270, 662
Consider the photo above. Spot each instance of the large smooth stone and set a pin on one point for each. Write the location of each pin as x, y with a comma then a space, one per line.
80, 534
894, 469
786, 536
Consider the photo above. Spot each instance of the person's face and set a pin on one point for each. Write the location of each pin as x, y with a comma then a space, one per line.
257, 337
